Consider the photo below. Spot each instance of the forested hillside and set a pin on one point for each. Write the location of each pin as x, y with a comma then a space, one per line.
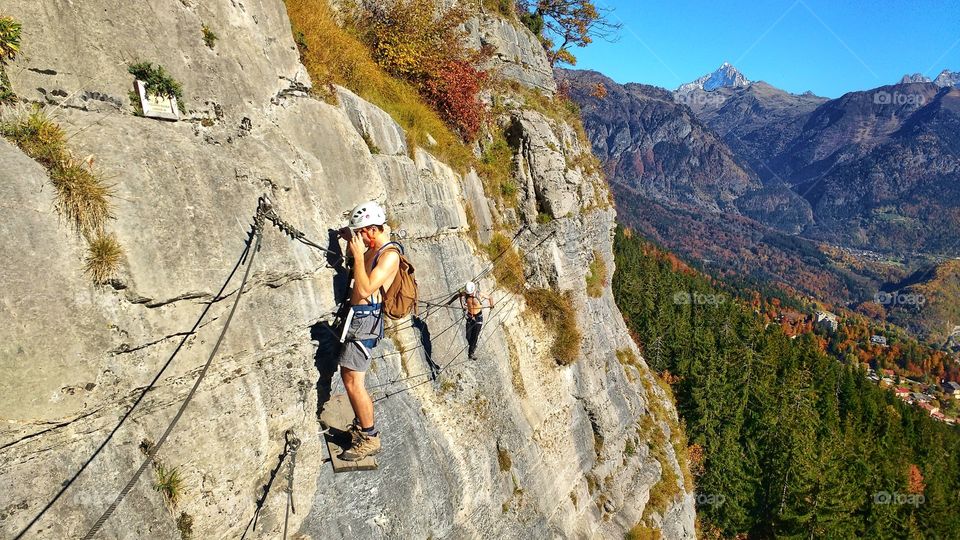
786, 440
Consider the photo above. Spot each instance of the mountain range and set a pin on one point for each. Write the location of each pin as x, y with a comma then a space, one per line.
945, 79
835, 198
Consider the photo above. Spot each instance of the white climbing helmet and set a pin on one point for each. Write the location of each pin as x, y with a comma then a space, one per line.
470, 287
368, 213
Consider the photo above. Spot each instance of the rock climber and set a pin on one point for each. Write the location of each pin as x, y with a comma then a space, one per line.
368, 240
471, 300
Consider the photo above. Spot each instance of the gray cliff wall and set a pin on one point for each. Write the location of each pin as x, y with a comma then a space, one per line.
74, 356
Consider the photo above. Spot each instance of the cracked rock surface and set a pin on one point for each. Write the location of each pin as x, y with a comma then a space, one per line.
75, 356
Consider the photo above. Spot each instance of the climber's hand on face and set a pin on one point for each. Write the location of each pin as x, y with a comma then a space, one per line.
357, 247
346, 233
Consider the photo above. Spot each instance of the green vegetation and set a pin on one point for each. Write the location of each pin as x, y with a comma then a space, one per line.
168, 483
509, 268
505, 8
337, 55
642, 532
372, 146
9, 48
9, 38
103, 258
423, 42
794, 442
157, 82
496, 169
564, 24
80, 194
597, 276
558, 313
209, 37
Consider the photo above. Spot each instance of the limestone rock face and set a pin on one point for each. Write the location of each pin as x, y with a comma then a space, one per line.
506, 445
518, 55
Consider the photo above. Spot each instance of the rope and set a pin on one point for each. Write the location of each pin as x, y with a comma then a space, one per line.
66, 485
446, 366
455, 323
265, 211
257, 233
429, 357
484, 272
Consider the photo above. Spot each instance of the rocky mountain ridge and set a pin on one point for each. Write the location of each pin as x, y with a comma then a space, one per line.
511, 445
873, 170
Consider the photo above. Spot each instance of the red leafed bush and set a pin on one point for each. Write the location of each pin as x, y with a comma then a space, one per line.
423, 42
453, 92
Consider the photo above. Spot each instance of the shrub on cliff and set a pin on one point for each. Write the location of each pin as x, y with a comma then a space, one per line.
508, 266
423, 42
9, 38
335, 54
9, 48
557, 311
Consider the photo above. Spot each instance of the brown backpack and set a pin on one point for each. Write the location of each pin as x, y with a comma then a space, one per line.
401, 299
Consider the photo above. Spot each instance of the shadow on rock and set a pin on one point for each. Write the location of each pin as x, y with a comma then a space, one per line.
426, 342
327, 333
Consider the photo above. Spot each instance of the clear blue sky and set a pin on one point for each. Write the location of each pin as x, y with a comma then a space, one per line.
829, 47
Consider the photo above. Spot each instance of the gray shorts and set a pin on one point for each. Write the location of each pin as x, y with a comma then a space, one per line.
366, 329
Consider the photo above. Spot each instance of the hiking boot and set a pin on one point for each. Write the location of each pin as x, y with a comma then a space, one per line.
354, 431
363, 446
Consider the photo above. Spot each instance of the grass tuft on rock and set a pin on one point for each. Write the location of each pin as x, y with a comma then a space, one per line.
168, 483
503, 457
209, 37
104, 254
81, 196
558, 313
508, 267
185, 526
597, 276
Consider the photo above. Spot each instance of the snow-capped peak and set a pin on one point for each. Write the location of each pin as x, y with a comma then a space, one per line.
948, 78
915, 78
726, 76
945, 79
